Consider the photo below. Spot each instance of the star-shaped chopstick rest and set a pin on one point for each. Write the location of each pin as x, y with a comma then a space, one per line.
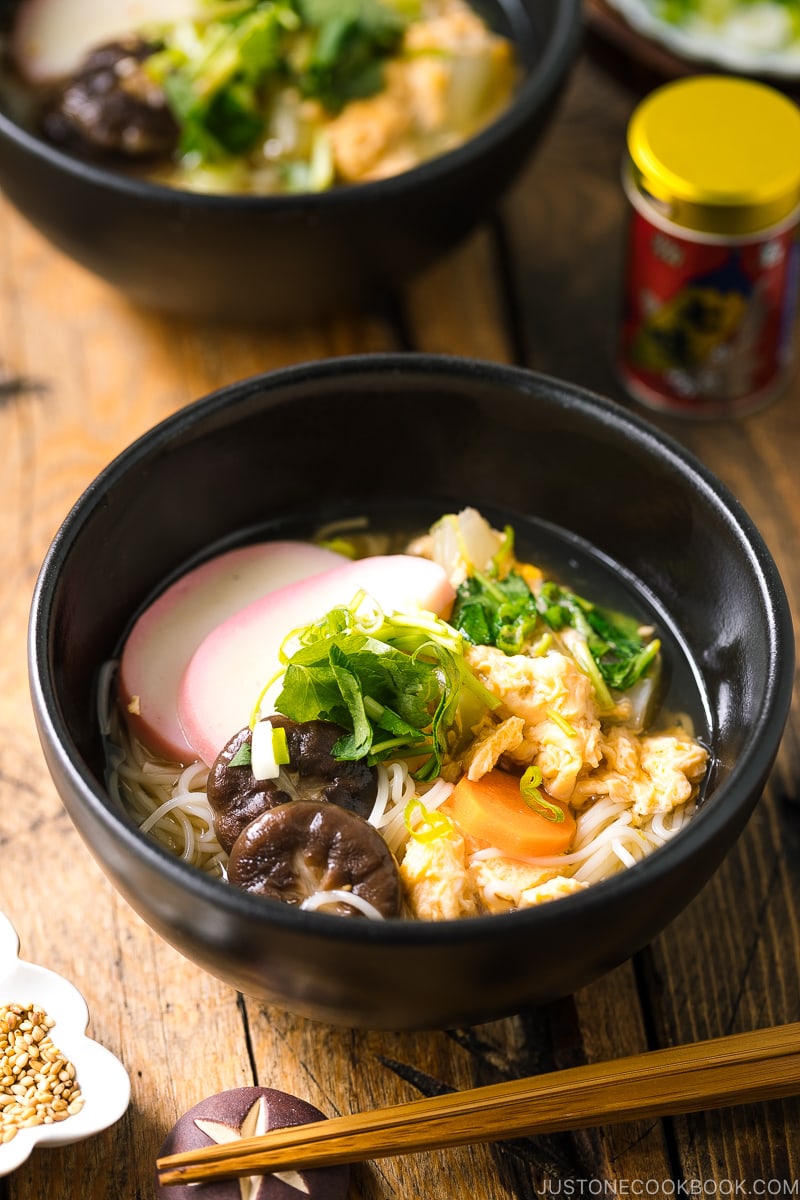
242, 1113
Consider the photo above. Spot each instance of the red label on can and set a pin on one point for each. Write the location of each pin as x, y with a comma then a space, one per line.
706, 323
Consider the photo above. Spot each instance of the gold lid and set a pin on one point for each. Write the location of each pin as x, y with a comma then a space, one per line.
720, 154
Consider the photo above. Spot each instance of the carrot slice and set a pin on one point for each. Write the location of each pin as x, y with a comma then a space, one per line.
492, 809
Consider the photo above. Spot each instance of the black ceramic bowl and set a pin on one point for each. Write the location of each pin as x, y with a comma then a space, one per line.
283, 258
414, 436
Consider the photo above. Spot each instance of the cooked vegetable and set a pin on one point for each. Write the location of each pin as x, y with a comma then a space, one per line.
269, 750
111, 106
530, 789
756, 26
505, 613
272, 96
496, 612
394, 682
397, 758
235, 796
214, 70
465, 542
349, 39
494, 810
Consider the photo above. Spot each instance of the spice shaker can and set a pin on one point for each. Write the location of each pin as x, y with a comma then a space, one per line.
712, 173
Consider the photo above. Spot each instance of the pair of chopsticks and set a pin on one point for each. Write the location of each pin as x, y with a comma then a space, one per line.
744, 1067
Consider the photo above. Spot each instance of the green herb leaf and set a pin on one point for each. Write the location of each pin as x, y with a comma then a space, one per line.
504, 613
213, 72
396, 689
358, 743
351, 38
496, 612
220, 71
233, 119
243, 756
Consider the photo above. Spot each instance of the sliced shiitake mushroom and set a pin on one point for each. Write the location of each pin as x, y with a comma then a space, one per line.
111, 105
237, 797
298, 850
352, 785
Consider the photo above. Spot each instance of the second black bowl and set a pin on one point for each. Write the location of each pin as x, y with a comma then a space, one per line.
282, 258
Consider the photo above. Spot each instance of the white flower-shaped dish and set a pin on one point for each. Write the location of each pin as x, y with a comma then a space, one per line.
104, 1083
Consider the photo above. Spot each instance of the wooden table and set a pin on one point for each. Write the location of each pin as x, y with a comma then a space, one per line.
537, 286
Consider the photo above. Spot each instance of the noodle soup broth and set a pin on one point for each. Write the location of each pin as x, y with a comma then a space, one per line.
445, 872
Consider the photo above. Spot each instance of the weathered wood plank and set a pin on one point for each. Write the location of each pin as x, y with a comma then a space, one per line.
458, 307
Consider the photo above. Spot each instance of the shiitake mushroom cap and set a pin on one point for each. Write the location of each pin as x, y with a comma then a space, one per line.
238, 1109
295, 850
237, 797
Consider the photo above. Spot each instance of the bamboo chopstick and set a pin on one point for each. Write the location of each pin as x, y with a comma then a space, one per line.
761, 1065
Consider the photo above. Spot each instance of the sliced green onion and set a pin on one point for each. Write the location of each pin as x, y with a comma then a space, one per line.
373, 708
541, 646
269, 750
504, 557
585, 660
529, 786
339, 546
562, 723
431, 826
255, 712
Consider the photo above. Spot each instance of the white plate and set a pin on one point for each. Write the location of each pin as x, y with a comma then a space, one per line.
733, 46
104, 1082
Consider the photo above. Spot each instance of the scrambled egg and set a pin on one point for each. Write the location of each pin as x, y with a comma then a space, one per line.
436, 879
552, 889
555, 701
502, 882
491, 742
548, 717
453, 72
652, 774
442, 880
366, 131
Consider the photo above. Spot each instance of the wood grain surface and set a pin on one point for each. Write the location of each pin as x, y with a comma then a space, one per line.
82, 374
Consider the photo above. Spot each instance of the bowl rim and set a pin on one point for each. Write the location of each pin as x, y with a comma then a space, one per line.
535, 90
732, 799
